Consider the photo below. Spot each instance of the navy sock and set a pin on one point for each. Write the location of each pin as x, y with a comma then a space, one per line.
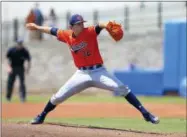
49, 107
131, 98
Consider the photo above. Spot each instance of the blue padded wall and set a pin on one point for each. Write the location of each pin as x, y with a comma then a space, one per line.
143, 82
183, 60
171, 55
182, 54
151, 82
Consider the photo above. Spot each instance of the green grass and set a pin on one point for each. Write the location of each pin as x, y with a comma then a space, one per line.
167, 125
84, 99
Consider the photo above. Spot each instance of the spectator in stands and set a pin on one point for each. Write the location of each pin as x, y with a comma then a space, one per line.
39, 16
52, 18
39, 20
16, 57
31, 19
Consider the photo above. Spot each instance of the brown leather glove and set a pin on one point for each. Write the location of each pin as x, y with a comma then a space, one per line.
115, 30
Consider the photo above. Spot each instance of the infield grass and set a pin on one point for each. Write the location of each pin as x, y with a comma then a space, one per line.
167, 125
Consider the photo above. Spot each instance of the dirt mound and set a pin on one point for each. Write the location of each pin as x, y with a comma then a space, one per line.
59, 130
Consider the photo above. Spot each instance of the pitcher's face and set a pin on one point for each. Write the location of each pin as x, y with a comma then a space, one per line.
77, 28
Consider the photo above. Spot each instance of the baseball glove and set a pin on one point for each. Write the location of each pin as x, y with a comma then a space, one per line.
115, 30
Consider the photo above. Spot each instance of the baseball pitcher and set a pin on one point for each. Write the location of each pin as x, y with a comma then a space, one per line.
91, 72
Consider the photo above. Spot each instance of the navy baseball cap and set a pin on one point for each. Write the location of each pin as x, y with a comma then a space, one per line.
19, 41
76, 18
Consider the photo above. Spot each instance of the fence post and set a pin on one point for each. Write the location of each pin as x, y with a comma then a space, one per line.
5, 33
95, 17
160, 9
15, 27
142, 5
126, 21
68, 15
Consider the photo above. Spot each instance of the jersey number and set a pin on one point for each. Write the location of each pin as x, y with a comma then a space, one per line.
86, 53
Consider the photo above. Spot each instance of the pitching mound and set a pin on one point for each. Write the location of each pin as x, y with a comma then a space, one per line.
59, 130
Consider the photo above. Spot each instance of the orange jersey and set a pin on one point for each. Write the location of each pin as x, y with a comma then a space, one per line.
84, 47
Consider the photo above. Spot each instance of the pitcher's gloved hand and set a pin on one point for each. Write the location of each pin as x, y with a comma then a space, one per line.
115, 30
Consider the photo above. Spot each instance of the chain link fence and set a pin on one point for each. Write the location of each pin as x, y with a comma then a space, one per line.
134, 20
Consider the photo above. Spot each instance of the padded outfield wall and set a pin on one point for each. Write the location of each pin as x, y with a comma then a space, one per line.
168, 78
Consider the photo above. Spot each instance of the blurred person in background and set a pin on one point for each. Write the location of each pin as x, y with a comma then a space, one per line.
52, 18
31, 19
39, 20
16, 57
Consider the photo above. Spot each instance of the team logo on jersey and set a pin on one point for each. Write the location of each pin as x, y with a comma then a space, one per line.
77, 47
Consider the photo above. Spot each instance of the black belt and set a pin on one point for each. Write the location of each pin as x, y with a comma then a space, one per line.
91, 67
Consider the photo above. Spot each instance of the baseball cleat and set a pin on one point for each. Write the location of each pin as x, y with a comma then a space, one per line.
151, 118
38, 120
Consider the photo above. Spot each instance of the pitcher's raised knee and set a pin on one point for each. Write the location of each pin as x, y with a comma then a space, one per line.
123, 90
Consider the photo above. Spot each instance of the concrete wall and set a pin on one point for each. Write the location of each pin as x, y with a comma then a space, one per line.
52, 64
